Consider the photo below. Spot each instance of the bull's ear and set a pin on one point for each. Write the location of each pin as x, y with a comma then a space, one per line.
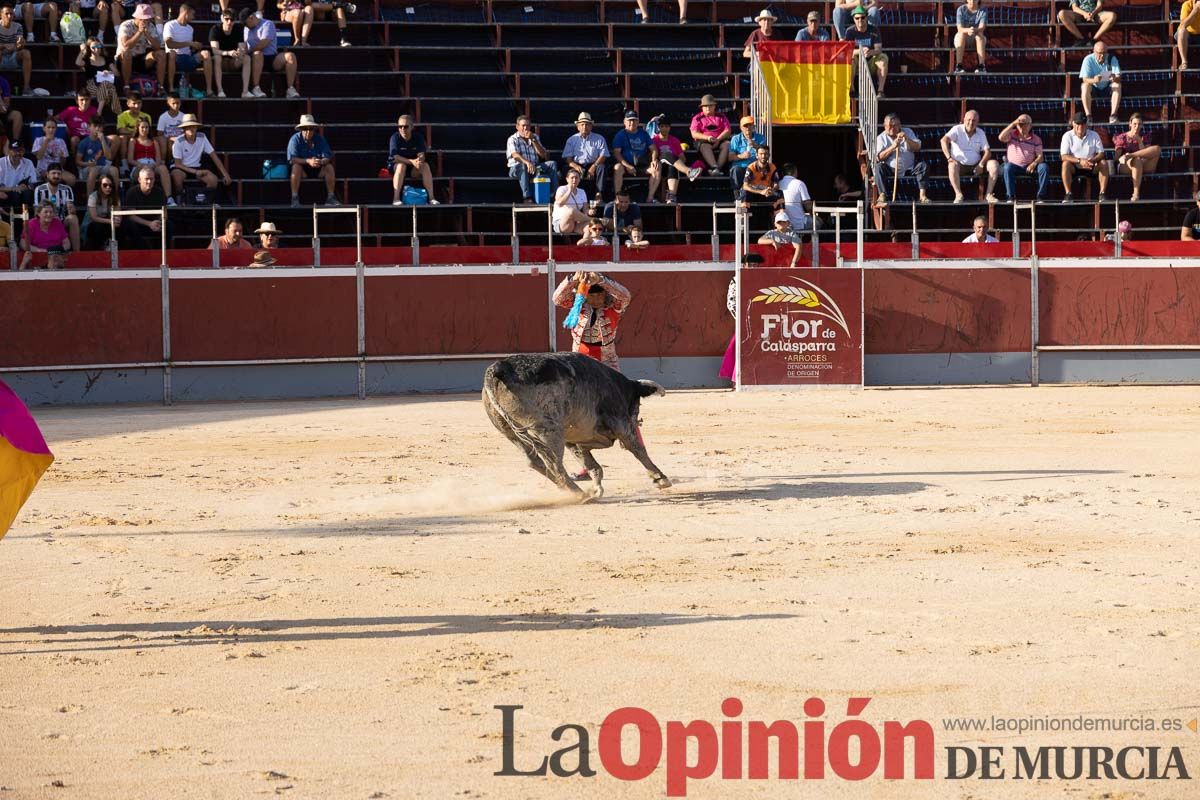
647, 388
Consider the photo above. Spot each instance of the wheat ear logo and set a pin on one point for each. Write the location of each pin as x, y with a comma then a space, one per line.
814, 300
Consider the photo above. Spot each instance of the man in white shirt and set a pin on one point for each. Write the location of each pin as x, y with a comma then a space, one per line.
1082, 154
183, 52
965, 145
17, 177
979, 234
189, 150
896, 148
797, 202
59, 195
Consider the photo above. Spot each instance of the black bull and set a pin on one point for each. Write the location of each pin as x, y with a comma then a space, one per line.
544, 403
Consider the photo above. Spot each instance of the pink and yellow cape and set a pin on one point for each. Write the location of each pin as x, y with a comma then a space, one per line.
24, 456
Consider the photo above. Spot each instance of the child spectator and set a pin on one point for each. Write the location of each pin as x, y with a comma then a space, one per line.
168, 121
635, 239
49, 149
669, 164
593, 234
76, 117
93, 156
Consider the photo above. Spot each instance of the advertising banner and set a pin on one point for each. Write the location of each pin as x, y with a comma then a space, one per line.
801, 328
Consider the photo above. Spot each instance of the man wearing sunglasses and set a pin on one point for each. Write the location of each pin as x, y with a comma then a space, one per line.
406, 152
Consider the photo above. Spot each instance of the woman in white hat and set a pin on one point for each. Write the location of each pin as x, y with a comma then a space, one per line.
645, 11
268, 236
765, 33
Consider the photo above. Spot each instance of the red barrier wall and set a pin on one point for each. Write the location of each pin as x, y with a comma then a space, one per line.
1149, 306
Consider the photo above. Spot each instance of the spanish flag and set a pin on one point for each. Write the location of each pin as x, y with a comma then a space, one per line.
24, 456
809, 82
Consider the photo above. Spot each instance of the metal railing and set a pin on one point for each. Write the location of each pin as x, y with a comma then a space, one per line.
760, 99
548, 210
837, 212
868, 111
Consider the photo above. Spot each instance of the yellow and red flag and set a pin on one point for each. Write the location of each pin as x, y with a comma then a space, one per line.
809, 82
24, 456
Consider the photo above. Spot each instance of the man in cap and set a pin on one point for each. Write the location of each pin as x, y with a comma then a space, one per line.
1082, 154
1025, 157
259, 35
812, 31
269, 236
896, 150
868, 45
764, 33
782, 233
310, 157
58, 194
979, 233
17, 177
966, 145
631, 150
139, 48
971, 26
406, 151
712, 133
586, 151
842, 15
184, 53
527, 157
232, 239
229, 51
741, 150
1100, 71
189, 150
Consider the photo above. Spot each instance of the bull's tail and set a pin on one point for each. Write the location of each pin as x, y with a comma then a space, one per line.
646, 388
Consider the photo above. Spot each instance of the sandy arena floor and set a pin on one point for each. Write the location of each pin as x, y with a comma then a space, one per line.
326, 599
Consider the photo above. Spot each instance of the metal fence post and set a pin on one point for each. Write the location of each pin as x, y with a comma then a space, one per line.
216, 246
415, 240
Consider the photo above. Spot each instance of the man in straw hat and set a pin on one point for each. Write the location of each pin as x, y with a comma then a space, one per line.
268, 236
189, 150
765, 32
310, 157
586, 151
139, 48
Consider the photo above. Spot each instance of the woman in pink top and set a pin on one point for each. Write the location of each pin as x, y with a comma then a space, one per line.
45, 234
711, 132
668, 161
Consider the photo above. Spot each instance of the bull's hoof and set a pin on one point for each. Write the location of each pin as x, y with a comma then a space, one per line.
662, 482
594, 493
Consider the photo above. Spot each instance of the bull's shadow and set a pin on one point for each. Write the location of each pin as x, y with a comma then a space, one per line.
779, 490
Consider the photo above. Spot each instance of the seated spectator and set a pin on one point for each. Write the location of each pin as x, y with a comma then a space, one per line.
845, 191
1098, 72
406, 151
49, 149
971, 26
636, 240
1087, 11
29, 11
310, 157
797, 202
143, 150
227, 40
741, 151
631, 150
527, 158
1082, 155
12, 121
712, 133
593, 234
89, 10
762, 179
61, 198
843, 11
979, 233
667, 161
45, 234
1189, 25
622, 214
100, 78
869, 45
232, 238
260, 37
897, 144
1190, 232
13, 54
1135, 154
570, 205
17, 177
812, 31
76, 117
586, 151
188, 153
138, 232
184, 52
340, 9
139, 48
764, 33
167, 127
965, 145
299, 16
783, 234
99, 220
93, 157
645, 11
269, 236
1025, 157
128, 119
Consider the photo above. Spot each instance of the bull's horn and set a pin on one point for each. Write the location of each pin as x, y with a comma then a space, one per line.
650, 387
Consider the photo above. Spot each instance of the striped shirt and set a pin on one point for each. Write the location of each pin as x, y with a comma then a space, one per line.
62, 198
11, 35
524, 148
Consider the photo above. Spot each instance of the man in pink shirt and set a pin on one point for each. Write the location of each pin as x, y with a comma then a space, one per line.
711, 132
1025, 157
